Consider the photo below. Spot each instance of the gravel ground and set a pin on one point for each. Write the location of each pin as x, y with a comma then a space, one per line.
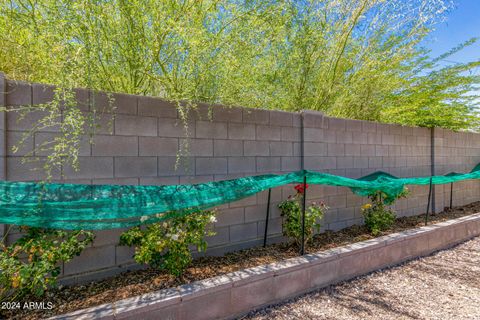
445, 285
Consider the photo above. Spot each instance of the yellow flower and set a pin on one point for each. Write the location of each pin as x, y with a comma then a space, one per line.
15, 281
366, 206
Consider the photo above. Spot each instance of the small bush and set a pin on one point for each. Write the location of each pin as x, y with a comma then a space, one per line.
165, 245
377, 216
31, 265
292, 212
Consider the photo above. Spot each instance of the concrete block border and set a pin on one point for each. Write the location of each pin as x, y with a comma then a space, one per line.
236, 293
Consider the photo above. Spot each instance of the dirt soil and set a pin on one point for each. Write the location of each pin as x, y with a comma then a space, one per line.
445, 285
132, 283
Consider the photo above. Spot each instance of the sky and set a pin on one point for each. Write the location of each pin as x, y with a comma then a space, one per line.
462, 23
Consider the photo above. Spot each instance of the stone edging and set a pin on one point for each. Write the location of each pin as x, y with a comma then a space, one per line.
236, 293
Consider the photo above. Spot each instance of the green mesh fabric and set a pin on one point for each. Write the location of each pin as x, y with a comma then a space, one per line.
90, 207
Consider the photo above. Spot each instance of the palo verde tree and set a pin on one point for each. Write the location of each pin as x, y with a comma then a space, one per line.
357, 59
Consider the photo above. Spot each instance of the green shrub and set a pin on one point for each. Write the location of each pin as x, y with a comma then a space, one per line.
30, 266
292, 212
377, 216
165, 245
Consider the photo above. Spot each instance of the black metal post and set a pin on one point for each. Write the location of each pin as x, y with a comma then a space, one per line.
266, 219
451, 195
432, 165
302, 251
428, 204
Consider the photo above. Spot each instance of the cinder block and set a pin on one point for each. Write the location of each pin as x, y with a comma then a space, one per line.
219, 306
19, 141
353, 125
314, 119
330, 136
291, 283
159, 181
125, 103
16, 122
42, 94
344, 137
91, 259
337, 202
171, 166
367, 150
241, 131
114, 146
344, 162
268, 164
281, 148
291, 134
345, 214
335, 149
256, 116
222, 148
242, 232
250, 295
375, 162
281, 118
315, 149
256, 213
297, 120
82, 96
323, 274
374, 138
229, 217
18, 93
256, 148
211, 130
368, 126
268, 133
274, 227
320, 163
105, 237
313, 134
27, 171
135, 166
336, 124
124, 255
43, 144
290, 164
352, 149
99, 123
116, 181
156, 107
126, 125
241, 165
197, 147
119, 103
157, 146
227, 114
168, 127
211, 166
360, 138
91, 167
221, 237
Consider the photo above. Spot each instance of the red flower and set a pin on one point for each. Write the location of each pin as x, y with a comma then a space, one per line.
301, 188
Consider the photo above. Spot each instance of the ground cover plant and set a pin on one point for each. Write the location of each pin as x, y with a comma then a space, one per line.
31, 265
166, 245
377, 215
66, 299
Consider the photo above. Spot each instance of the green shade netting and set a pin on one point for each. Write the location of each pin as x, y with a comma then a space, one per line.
90, 207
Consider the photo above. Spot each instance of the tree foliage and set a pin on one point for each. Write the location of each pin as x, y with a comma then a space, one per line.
358, 59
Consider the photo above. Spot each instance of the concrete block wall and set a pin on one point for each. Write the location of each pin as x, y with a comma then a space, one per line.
3, 97
139, 144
